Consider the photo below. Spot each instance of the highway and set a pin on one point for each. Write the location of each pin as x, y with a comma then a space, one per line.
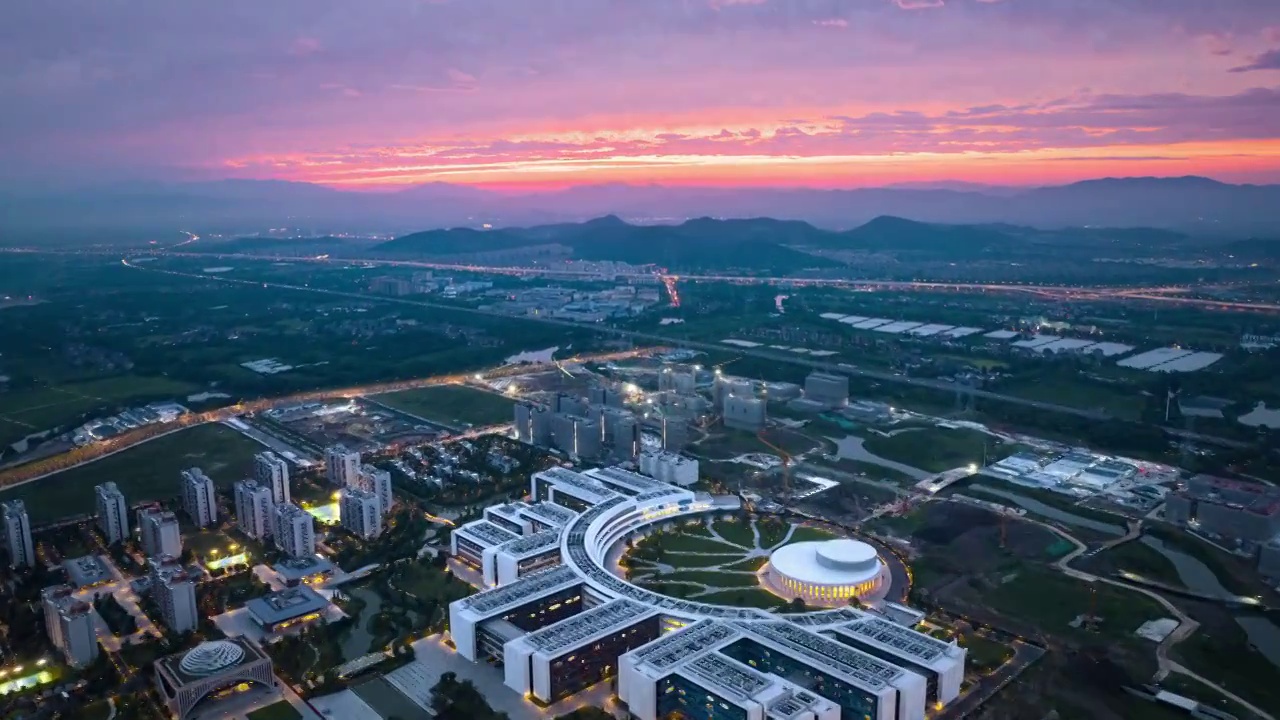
1060, 292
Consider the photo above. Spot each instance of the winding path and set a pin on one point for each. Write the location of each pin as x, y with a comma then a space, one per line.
1186, 624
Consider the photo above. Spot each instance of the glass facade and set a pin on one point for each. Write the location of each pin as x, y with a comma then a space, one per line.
855, 703
546, 610
564, 499
678, 697
585, 666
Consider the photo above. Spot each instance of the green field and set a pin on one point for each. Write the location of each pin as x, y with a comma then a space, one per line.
149, 471
452, 405
277, 711
65, 405
1061, 389
1051, 600
934, 449
735, 531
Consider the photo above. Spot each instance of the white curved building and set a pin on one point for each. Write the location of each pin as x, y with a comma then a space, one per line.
565, 628
828, 572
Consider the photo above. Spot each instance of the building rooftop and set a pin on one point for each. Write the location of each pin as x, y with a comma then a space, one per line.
550, 513
85, 571
486, 533
865, 670
727, 677
564, 477
534, 544
625, 481
292, 569
899, 640
679, 647
528, 587
286, 605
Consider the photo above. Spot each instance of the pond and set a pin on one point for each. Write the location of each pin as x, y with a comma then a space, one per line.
356, 642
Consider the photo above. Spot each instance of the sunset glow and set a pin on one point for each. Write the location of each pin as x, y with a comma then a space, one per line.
847, 93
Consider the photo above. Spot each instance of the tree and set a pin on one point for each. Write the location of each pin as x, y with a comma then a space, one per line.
797, 605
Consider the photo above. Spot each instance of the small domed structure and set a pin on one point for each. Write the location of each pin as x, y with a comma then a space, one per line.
828, 572
210, 658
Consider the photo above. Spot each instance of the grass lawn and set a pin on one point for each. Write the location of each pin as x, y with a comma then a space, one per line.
714, 578
149, 471
277, 711
679, 560
454, 405
672, 589
1141, 560
204, 542
1051, 600
744, 597
736, 531
748, 565
934, 449
984, 653
686, 543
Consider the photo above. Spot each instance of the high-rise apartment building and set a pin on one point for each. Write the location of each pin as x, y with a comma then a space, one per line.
271, 470
161, 535
341, 466
174, 590
361, 512
17, 535
253, 509
113, 512
295, 533
198, 498
70, 625
377, 482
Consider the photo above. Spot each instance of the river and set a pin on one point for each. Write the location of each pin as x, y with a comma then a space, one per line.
356, 642
1053, 513
851, 447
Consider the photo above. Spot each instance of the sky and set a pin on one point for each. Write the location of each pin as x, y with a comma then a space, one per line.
378, 94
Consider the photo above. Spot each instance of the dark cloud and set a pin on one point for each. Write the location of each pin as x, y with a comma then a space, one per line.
1269, 60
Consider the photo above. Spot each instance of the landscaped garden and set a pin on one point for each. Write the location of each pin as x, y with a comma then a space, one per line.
715, 560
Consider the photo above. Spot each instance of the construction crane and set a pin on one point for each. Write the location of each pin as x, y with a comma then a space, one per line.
786, 462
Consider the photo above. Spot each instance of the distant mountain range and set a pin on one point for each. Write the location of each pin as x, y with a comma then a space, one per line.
759, 244
1192, 204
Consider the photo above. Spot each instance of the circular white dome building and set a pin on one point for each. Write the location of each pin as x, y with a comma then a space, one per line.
828, 572
210, 658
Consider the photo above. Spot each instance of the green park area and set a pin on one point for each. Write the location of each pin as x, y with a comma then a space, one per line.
149, 471
936, 449
453, 405
276, 711
715, 561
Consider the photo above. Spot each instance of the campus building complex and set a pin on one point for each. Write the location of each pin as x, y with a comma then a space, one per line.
570, 623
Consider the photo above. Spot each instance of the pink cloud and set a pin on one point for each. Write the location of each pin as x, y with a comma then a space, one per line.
303, 46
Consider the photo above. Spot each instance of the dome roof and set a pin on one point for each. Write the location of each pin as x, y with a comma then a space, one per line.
212, 657
828, 562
